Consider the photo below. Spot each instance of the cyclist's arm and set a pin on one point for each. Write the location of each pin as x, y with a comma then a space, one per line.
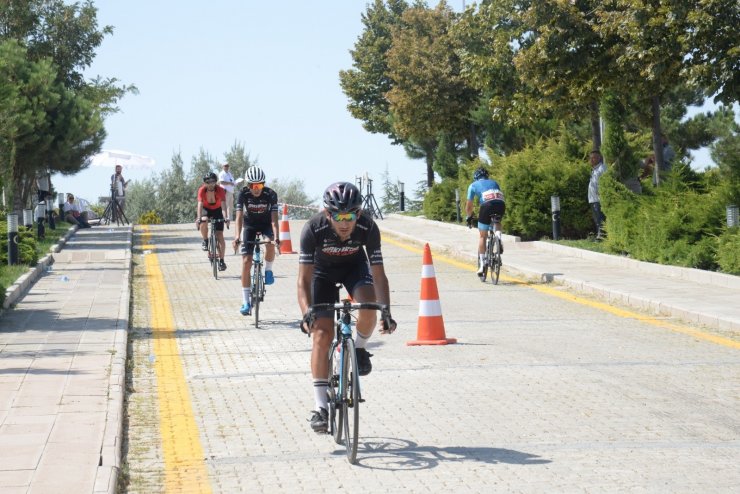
239, 223
275, 228
305, 275
469, 207
380, 282
200, 210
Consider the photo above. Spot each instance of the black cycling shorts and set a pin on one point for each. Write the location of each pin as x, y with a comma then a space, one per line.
217, 214
488, 208
249, 232
324, 284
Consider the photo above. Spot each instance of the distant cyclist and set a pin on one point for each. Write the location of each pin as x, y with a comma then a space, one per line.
491, 201
256, 211
212, 200
333, 250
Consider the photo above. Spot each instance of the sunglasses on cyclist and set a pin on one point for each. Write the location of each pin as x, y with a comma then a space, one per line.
351, 216
210, 182
257, 186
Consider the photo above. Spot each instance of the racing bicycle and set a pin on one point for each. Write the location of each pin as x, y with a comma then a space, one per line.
258, 277
212, 246
344, 391
492, 258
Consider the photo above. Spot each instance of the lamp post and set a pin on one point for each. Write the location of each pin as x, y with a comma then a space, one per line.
401, 197
555, 206
28, 218
732, 216
12, 239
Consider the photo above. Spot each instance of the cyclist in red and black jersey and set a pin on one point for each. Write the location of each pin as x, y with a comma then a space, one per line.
212, 201
339, 245
256, 211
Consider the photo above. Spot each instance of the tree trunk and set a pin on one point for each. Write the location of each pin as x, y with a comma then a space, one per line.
472, 142
595, 125
429, 151
657, 140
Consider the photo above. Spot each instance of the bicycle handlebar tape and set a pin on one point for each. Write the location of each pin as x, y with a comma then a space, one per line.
286, 247
430, 329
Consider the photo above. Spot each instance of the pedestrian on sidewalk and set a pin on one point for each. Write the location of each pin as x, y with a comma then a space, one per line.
226, 181
597, 169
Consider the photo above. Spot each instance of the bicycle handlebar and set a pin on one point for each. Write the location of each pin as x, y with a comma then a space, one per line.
383, 308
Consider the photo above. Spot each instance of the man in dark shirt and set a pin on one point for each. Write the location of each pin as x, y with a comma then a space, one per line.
256, 211
339, 245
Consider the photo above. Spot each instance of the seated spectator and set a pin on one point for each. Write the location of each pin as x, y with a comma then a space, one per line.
73, 214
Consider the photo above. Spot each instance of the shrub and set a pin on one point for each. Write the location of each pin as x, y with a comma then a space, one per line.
150, 218
728, 251
27, 253
439, 201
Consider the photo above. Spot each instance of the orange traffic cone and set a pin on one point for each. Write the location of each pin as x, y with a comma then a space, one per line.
430, 329
286, 247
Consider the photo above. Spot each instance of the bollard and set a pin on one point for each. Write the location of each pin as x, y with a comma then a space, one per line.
28, 218
457, 206
732, 216
40, 216
555, 206
12, 239
401, 198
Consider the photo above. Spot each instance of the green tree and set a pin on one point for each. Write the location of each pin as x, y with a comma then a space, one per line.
176, 198
239, 159
368, 82
293, 192
429, 98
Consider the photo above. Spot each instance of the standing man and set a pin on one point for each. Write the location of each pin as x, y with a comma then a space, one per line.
226, 180
597, 169
256, 211
118, 186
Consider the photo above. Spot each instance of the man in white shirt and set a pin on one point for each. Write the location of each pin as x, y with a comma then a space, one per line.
597, 169
74, 214
226, 180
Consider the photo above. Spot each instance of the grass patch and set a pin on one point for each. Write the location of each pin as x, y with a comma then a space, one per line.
8, 274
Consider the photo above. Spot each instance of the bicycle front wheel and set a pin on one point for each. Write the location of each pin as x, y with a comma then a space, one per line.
335, 421
212, 250
256, 283
351, 402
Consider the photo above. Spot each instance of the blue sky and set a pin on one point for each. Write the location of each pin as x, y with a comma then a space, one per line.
261, 73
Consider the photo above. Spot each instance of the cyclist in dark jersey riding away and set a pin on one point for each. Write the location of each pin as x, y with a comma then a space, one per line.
491, 201
256, 211
333, 250
212, 200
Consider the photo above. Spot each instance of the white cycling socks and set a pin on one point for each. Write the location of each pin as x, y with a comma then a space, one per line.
246, 295
360, 341
268, 265
320, 387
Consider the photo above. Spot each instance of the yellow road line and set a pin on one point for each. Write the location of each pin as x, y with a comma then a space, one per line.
719, 340
185, 468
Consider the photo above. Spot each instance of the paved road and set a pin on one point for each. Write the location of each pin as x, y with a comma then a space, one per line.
545, 391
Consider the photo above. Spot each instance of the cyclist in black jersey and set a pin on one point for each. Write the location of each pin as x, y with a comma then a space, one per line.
256, 211
339, 245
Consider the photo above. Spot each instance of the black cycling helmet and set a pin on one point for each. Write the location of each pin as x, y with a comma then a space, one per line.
210, 176
480, 173
342, 197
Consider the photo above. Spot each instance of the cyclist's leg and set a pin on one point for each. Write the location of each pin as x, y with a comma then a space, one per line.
499, 208
269, 254
359, 282
204, 229
246, 251
322, 334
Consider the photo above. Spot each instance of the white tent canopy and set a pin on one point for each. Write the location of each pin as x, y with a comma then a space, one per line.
112, 157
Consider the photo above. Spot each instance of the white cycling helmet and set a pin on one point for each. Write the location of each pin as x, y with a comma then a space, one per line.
254, 174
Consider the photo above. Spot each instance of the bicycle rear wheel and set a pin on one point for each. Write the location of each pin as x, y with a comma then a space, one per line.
351, 402
496, 267
335, 423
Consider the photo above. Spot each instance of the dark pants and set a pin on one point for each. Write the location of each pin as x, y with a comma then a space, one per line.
598, 216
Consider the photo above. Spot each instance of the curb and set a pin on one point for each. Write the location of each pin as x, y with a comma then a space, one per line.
20, 287
106, 478
589, 287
